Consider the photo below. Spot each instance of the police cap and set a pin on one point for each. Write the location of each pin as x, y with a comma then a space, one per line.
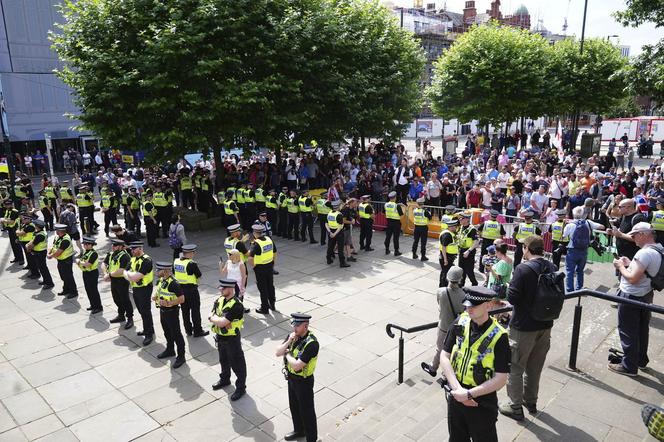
299, 318
60, 227
561, 212
8, 202
163, 265
476, 295
660, 200
336, 203
262, 214
117, 242
234, 228
136, 245
88, 240
528, 214
39, 223
366, 197
258, 228
228, 283
392, 194
452, 222
189, 247
494, 213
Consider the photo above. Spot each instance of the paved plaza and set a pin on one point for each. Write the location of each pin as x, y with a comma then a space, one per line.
66, 375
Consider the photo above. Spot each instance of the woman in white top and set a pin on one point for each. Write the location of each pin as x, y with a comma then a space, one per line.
235, 269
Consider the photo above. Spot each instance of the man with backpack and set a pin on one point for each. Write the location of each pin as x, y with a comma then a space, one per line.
639, 276
578, 235
537, 293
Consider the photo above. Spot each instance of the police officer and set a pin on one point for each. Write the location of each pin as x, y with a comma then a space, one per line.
38, 247
231, 211
306, 206
86, 209
160, 202
559, 240
25, 233
134, 208
235, 241
150, 219
204, 195
249, 206
393, 212
140, 276
421, 218
113, 268
109, 207
293, 216
167, 299
262, 256
227, 319
657, 221
66, 195
9, 222
185, 185
239, 198
323, 207
262, 220
468, 241
271, 207
45, 209
187, 273
475, 362
300, 353
449, 249
523, 231
282, 203
49, 193
367, 215
489, 230
335, 231
260, 197
88, 263
63, 251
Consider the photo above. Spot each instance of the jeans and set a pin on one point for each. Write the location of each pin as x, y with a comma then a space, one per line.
575, 262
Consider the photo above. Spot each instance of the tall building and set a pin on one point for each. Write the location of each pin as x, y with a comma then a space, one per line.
35, 100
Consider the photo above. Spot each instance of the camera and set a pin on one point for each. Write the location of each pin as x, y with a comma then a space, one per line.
615, 356
597, 246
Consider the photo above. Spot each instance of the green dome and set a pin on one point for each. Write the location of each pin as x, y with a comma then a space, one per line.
522, 10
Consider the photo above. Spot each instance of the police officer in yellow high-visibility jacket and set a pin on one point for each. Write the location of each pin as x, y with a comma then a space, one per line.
323, 207
421, 218
335, 231
271, 207
657, 221
282, 204
475, 361
227, 319
140, 275
150, 219
300, 354
366, 213
523, 231
9, 221
559, 240
63, 252
468, 243
293, 216
25, 234
86, 209
449, 249
306, 206
168, 298
393, 213
187, 273
489, 231
38, 247
89, 265
262, 256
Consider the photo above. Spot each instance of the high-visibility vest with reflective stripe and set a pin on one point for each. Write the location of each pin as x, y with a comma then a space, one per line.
221, 307
321, 207
159, 200
105, 201
43, 202
267, 251
65, 195
164, 293
391, 211
465, 356
40, 247
491, 230
363, 210
221, 197
271, 202
332, 220
296, 350
228, 210
204, 185
4, 167
124, 199
147, 213
27, 236
12, 223
260, 195
185, 183
525, 230
81, 201
557, 229
114, 261
135, 202
658, 220
18, 191
231, 190
49, 191
292, 206
85, 258
197, 181
452, 248
180, 272
302, 203
282, 201
463, 237
135, 265
69, 251
239, 194
419, 217
248, 198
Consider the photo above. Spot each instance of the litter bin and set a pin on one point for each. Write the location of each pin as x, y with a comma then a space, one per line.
590, 144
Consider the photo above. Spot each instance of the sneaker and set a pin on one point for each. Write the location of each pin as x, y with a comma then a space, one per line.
429, 369
510, 411
620, 369
653, 418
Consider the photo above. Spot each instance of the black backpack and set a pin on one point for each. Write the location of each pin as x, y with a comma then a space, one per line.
549, 295
657, 280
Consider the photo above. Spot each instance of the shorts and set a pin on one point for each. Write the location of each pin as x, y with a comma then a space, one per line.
76, 236
348, 237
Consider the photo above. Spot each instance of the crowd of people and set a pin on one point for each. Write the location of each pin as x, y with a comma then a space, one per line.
542, 203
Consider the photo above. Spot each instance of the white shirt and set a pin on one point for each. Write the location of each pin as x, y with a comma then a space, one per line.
402, 174
539, 202
503, 178
87, 159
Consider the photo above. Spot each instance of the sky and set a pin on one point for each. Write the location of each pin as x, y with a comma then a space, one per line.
599, 22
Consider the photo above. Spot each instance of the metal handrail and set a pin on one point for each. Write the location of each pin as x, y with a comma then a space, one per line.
576, 328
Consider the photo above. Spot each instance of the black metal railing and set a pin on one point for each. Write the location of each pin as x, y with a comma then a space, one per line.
576, 328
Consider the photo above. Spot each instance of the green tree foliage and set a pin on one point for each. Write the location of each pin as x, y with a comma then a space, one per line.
639, 12
174, 76
625, 108
494, 74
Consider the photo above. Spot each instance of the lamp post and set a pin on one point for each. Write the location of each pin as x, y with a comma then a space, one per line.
577, 114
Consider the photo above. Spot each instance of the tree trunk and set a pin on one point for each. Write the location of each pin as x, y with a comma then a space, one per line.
362, 142
219, 166
277, 154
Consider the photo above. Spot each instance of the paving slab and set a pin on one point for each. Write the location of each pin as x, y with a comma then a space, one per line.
122, 423
26, 407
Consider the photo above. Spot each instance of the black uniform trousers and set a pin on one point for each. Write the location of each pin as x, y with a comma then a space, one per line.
445, 268
250, 211
301, 403
40, 259
191, 308
337, 241
485, 245
120, 293
283, 222
231, 357
135, 223
90, 282
110, 219
471, 423
293, 224
170, 323
518, 254
29, 259
151, 232
307, 226
265, 285
322, 220
272, 217
16, 246
559, 249
187, 198
420, 235
163, 218
468, 267
67, 275
393, 231
366, 232
143, 303
87, 219
47, 213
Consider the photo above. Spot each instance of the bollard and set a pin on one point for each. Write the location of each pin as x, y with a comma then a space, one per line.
400, 358
576, 329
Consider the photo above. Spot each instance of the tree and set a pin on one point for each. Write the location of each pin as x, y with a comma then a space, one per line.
494, 74
639, 12
594, 81
625, 108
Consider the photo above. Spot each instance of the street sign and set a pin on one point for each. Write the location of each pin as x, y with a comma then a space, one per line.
49, 155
